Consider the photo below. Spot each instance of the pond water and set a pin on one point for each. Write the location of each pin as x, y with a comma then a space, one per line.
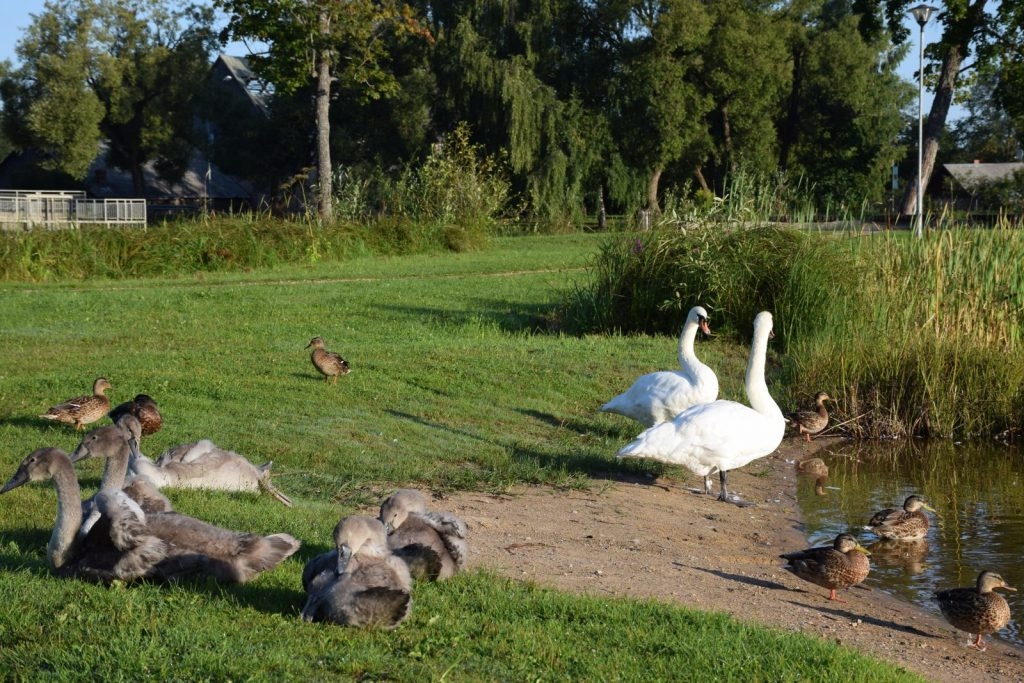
977, 492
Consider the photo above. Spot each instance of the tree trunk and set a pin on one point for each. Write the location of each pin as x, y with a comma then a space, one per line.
325, 178
788, 134
652, 192
933, 127
727, 139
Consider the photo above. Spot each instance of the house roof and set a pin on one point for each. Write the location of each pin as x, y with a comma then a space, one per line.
201, 179
237, 69
972, 177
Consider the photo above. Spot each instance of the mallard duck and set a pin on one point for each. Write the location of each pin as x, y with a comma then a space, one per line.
145, 411
721, 435
433, 544
908, 524
809, 422
659, 396
82, 410
330, 364
841, 565
978, 610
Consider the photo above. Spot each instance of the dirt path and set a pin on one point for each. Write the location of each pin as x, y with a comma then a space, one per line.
658, 539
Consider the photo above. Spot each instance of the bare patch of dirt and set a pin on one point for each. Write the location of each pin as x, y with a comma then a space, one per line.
659, 539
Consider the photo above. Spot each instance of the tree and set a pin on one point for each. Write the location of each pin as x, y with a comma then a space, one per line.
663, 112
119, 70
324, 42
967, 27
841, 120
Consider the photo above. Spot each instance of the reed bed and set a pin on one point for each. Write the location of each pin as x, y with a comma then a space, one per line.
911, 336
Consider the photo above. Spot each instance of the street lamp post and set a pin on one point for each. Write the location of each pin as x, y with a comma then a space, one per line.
921, 13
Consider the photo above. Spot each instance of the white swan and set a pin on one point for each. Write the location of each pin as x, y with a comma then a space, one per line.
660, 396
722, 435
204, 465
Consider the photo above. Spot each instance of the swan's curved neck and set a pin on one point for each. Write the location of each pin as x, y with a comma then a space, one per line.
63, 543
687, 358
115, 470
757, 388
145, 467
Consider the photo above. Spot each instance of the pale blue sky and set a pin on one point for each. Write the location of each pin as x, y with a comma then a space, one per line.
15, 17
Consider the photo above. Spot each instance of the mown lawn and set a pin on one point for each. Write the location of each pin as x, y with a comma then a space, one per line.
457, 382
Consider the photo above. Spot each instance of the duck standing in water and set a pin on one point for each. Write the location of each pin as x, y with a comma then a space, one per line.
908, 524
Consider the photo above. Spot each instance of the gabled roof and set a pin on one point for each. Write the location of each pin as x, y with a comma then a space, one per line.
972, 177
237, 69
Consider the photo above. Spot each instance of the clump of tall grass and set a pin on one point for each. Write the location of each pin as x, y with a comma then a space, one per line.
206, 243
911, 336
930, 342
647, 282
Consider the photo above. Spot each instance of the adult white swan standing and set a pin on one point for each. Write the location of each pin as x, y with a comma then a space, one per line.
659, 396
722, 435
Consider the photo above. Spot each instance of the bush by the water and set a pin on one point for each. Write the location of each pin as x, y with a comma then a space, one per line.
911, 336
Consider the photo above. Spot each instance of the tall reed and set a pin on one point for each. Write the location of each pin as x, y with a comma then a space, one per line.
930, 343
911, 336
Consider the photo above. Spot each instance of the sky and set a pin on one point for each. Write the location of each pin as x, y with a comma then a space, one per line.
15, 17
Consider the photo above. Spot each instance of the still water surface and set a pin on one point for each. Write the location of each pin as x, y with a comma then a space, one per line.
977, 491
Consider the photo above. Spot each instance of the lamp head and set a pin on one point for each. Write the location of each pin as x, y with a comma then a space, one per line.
922, 13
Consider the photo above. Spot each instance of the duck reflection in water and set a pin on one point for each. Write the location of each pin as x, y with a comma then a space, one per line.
909, 556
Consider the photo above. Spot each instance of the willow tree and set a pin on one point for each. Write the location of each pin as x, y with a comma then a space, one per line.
322, 42
117, 70
520, 74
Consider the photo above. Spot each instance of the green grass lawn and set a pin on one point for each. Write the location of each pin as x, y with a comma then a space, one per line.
455, 385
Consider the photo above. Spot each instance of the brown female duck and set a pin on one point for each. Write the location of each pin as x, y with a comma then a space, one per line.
330, 364
908, 524
82, 410
841, 565
809, 422
977, 610
144, 409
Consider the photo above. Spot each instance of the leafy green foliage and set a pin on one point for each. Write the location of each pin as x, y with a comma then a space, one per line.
122, 71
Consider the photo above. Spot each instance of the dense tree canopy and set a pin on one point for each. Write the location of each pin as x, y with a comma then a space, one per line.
123, 71
592, 103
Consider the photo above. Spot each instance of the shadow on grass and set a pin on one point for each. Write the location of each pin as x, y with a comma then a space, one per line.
624, 432
528, 318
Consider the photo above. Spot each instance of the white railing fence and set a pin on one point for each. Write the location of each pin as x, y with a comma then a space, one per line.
56, 210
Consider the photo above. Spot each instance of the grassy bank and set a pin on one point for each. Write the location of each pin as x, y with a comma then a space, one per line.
455, 383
